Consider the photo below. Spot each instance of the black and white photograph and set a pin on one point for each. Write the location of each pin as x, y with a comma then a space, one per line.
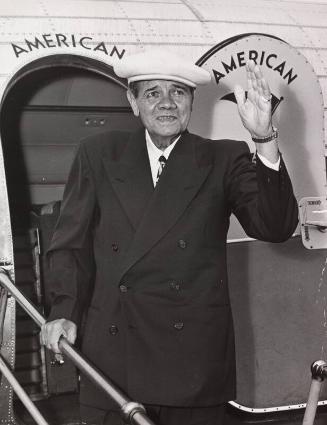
163, 212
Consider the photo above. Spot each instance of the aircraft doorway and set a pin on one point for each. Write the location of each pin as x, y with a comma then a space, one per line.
47, 108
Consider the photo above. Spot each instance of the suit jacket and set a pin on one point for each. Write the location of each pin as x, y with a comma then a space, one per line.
159, 320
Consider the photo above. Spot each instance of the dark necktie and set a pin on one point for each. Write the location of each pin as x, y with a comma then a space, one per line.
162, 163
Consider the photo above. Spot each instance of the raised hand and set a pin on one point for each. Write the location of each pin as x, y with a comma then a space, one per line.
255, 109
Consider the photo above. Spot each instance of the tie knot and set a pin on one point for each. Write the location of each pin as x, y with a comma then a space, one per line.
162, 160
162, 163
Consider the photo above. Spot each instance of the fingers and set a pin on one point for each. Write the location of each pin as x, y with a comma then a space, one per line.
71, 332
257, 82
51, 332
250, 75
239, 96
262, 85
265, 89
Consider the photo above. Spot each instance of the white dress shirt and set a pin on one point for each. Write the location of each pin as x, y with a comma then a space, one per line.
155, 153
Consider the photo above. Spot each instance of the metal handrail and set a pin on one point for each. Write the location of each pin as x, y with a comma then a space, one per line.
132, 412
30, 406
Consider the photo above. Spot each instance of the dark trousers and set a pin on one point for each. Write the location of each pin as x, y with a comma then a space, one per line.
160, 415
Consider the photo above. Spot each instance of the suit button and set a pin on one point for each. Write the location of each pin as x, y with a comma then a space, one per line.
123, 288
179, 326
175, 286
114, 247
113, 330
182, 244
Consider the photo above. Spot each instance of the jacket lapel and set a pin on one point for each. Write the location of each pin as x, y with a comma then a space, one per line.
184, 174
130, 176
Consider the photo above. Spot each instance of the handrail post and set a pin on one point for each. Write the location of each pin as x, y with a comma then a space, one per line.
132, 412
318, 371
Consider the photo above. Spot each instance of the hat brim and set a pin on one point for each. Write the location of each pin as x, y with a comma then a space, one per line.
147, 77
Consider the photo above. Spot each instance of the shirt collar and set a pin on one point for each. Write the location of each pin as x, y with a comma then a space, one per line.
155, 152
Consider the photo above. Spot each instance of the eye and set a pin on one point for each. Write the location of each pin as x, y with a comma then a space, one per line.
178, 92
153, 94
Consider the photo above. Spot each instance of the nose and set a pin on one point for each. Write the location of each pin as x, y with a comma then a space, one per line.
167, 102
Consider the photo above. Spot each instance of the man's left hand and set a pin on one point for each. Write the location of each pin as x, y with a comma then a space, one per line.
255, 109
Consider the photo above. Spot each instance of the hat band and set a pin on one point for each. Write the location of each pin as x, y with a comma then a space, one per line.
147, 77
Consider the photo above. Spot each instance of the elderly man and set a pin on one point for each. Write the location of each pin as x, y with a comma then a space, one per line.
154, 206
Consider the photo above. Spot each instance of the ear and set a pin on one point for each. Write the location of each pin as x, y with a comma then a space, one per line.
133, 103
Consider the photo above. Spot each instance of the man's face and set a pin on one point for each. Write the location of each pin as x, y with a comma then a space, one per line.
163, 106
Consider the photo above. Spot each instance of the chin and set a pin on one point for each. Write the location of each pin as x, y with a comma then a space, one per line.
169, 131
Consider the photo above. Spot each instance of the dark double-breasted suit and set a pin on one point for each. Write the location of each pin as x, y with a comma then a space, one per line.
159, 321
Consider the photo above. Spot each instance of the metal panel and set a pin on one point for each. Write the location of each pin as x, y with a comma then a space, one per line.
316, 59
173, 32
239, 11
8, 353
318, 35
292, 12
309, 2
23, 8
190, 51
293, 35
77, 88
118, 9
10, 63
70, 127
17, 28
323, 84
147, 3
84, 9
104, 28
8, 336
323, 57
278, 294
48, 164
306, 15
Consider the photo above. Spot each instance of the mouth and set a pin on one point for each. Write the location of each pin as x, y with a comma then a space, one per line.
166, 118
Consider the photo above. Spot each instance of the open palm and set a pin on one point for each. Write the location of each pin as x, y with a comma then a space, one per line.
255, 108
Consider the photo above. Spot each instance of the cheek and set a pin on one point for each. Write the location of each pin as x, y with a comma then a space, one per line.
185, 115
186, 108
146, 114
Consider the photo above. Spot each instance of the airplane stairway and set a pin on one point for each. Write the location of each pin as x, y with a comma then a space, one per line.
29, 364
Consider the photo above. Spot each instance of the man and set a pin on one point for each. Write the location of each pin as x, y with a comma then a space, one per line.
158, 318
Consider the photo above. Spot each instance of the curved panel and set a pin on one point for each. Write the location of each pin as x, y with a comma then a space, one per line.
298, 108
